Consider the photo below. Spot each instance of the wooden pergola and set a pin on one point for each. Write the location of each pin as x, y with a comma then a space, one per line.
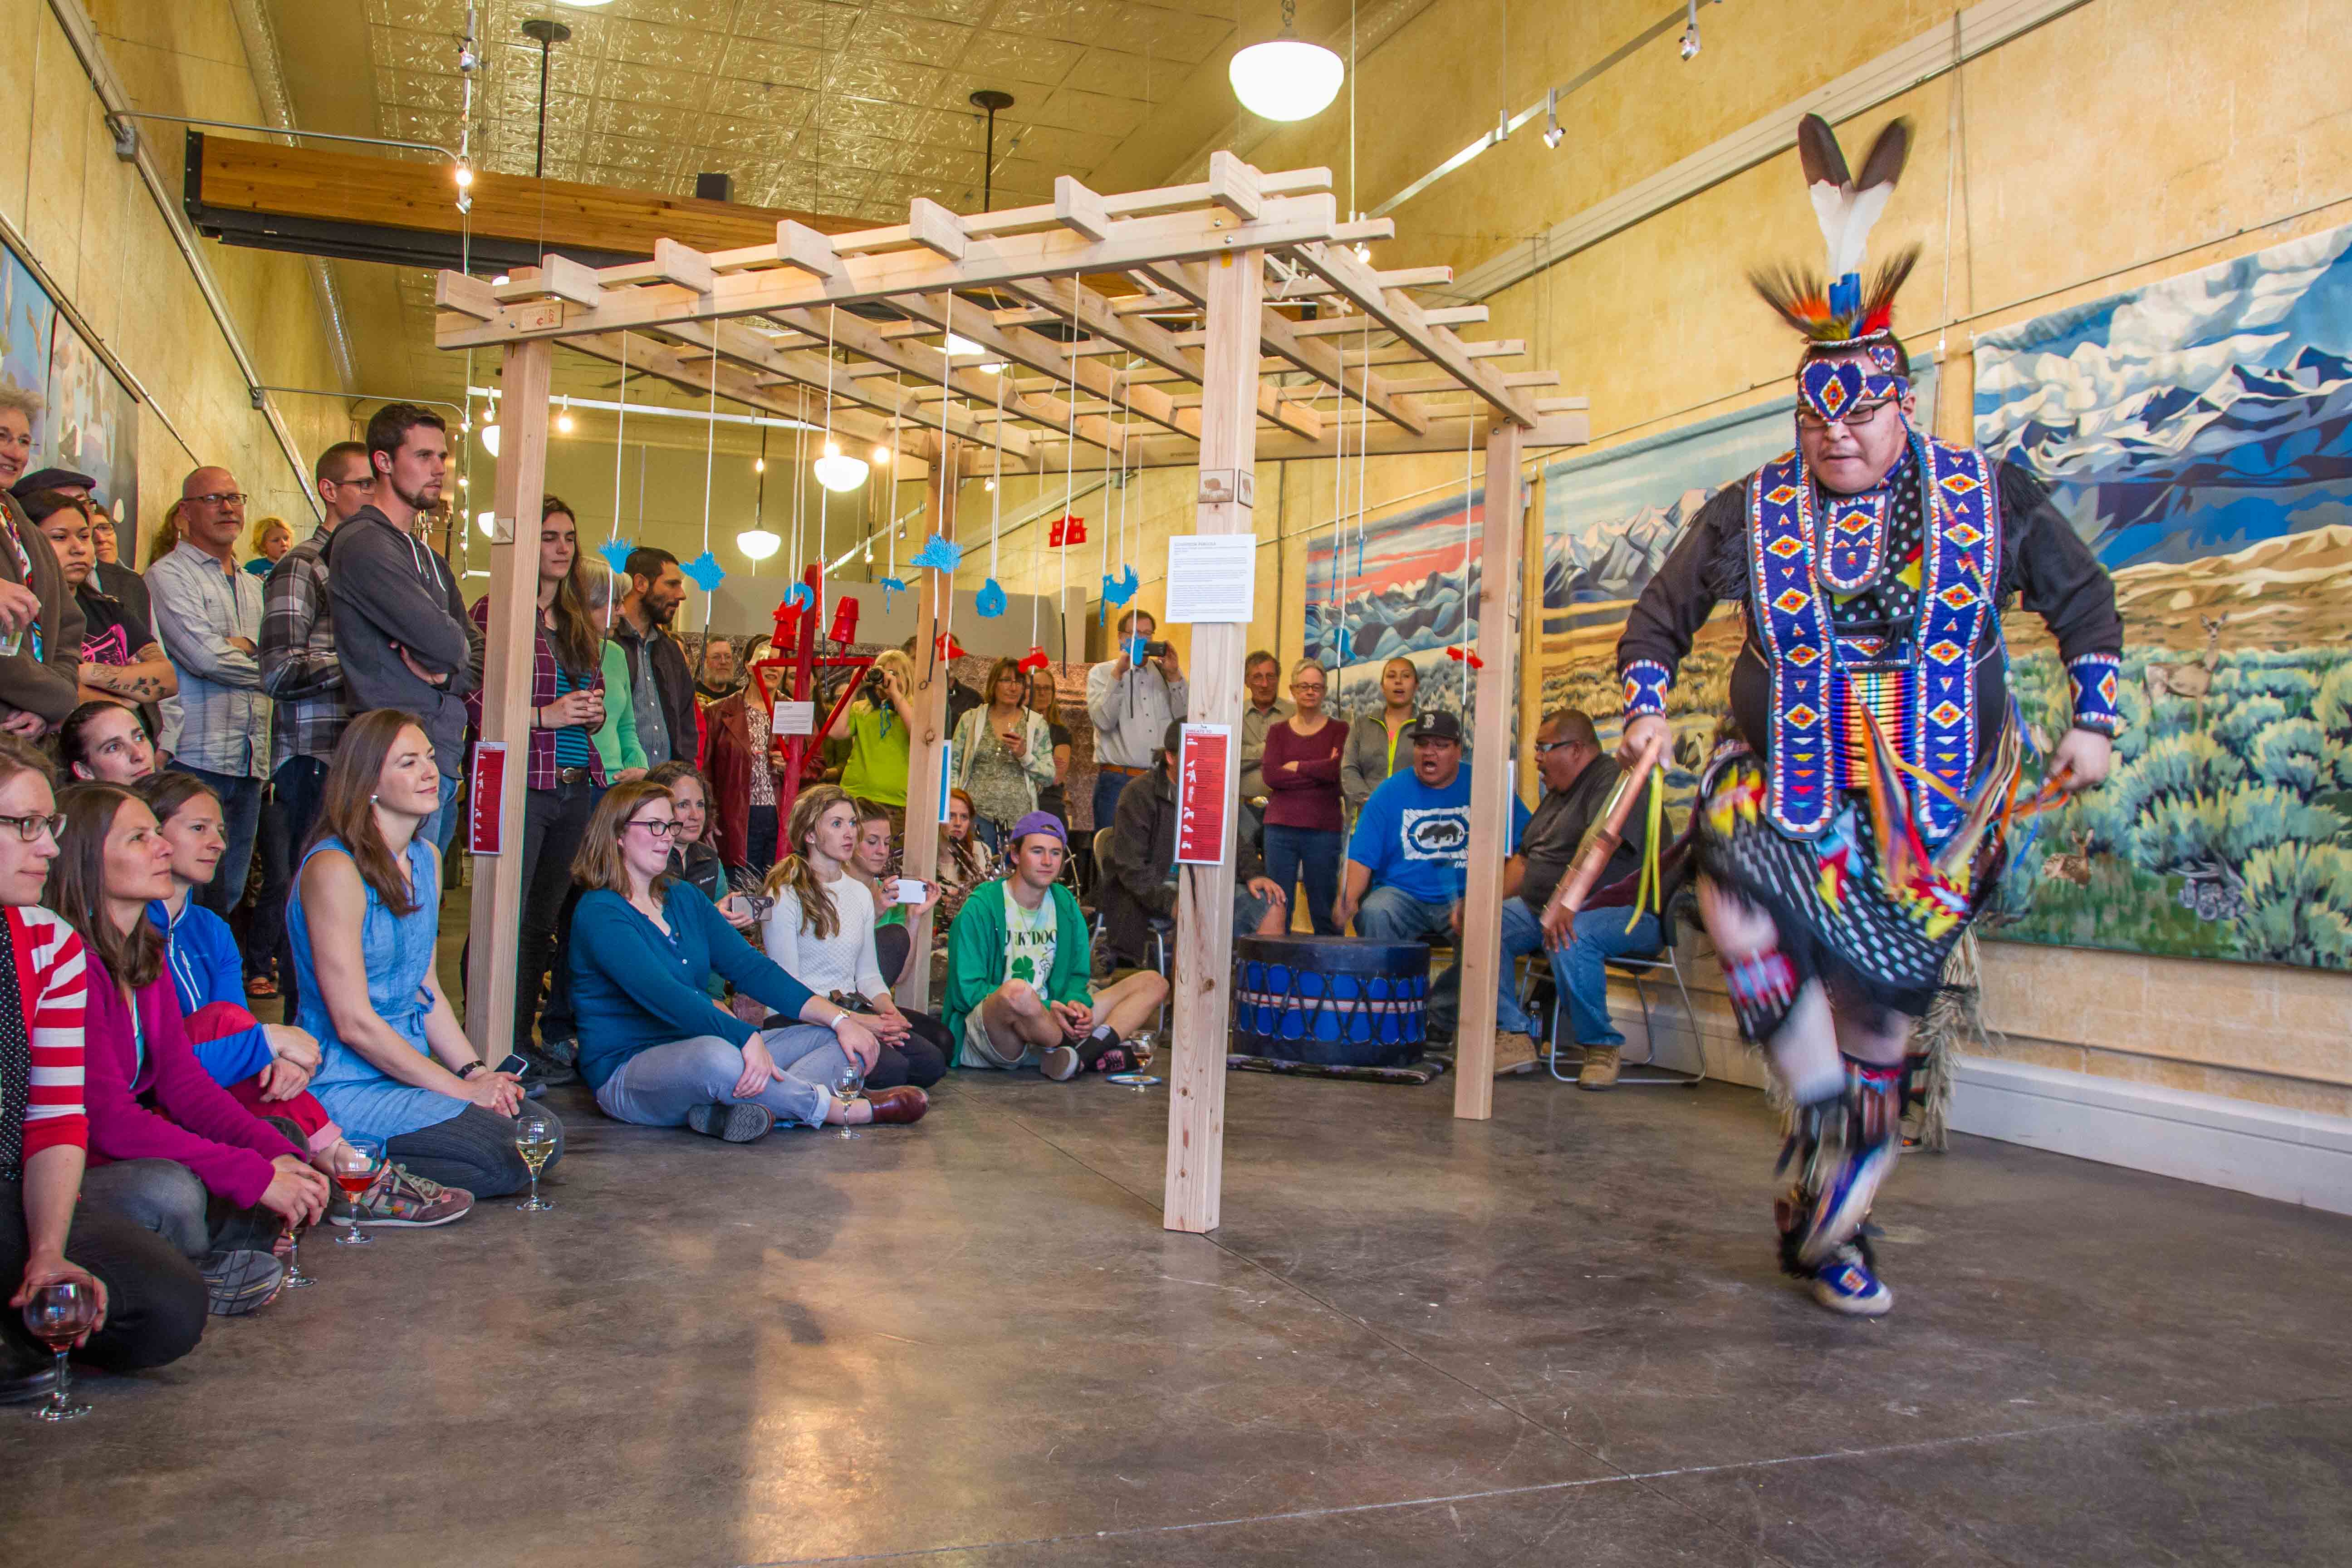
1213, 326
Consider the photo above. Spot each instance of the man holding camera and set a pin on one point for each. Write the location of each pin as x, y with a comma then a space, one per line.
1131, 699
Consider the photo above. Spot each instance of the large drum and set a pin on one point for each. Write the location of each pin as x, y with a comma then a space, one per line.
1339, 1001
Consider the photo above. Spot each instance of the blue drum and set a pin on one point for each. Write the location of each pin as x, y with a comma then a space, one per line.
1337, 1001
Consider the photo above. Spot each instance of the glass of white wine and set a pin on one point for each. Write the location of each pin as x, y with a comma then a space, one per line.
535, 1142
849, 1089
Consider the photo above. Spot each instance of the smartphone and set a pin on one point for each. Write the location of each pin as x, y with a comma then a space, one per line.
513, 1064
756, 905
913, 890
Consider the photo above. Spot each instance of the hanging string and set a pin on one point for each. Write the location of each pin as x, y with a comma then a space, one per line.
1070, 458
1334, 635
709, 455
1469, 473
824, 492
996, 476
620, 437
1363, 447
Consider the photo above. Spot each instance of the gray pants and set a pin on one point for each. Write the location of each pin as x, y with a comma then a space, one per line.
660, 1084
164, 1196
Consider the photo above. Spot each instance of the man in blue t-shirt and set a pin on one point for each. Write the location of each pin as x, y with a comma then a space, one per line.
1409, 862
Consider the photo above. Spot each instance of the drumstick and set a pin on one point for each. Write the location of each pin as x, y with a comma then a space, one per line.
1584, 871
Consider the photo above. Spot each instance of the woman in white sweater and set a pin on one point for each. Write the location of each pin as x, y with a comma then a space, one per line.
820, 932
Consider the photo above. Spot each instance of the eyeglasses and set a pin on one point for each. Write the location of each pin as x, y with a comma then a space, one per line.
656, 825
360, 484
1859, 418
30, 829
1541, 747
219, 498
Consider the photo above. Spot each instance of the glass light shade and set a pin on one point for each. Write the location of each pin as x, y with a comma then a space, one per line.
759, 543
1285, 78
486, 521
837, 471
490, 439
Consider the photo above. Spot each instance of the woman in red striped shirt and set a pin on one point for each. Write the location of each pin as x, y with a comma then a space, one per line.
152, 1299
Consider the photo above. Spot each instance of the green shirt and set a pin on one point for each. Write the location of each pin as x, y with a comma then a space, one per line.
878, 755
980, 943
1029, 942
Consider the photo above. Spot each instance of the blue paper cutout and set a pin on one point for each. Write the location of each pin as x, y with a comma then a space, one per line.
800, 595
990, 602
704, 572
939, 554
1347, 645
890, 587
616, 552
1121, 589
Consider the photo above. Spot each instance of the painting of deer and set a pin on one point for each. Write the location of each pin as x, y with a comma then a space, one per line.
2187, 680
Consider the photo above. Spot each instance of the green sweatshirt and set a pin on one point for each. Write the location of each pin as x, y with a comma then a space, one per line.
976, 953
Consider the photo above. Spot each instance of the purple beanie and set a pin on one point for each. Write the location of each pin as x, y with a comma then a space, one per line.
1037, 822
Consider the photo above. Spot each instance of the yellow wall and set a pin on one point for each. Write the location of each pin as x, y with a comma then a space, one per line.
92, 226
2127, 140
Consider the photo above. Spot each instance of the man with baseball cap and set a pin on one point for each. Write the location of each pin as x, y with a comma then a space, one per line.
1409, 860
1018, 967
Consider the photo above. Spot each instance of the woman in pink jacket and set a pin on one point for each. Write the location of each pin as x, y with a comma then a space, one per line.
169, 1148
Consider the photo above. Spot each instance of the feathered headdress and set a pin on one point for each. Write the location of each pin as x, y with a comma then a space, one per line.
1842, 313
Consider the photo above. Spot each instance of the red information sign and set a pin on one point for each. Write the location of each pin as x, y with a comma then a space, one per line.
1204, 791
485, 799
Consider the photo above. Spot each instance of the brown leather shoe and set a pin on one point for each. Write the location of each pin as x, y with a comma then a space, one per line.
898, 1106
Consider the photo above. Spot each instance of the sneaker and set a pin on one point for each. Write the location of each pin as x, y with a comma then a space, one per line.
401, 1197
1846, 1203
1601, 1065
1514, 1052
242, 1281
562, 1053
22, 1377
539, 1074
1845, 1284
731, 1121
1061, 1063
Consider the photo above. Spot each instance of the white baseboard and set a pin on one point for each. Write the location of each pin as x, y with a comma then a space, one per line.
2295, 1157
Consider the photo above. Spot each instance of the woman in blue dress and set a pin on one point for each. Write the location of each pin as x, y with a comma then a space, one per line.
364, 919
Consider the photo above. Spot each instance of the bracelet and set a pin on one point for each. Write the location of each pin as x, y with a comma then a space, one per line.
470, 1068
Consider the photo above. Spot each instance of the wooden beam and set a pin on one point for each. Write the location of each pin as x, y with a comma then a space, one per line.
1490, 774
1046, 402
1397, 311
658, 359
1445, 434
1191, 1197
495, 919
920, 857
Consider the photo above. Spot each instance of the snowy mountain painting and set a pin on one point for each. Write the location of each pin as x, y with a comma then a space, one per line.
2197, 434
1406, 584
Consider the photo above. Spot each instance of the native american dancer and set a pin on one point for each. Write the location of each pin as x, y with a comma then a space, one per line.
1854, 818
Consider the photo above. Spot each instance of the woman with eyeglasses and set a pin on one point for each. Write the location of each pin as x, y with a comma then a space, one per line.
364, 921
1302, 800
655, 1046
106, 742
120, 659
152, 1299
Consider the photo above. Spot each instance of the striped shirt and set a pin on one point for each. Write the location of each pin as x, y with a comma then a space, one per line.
40, 1038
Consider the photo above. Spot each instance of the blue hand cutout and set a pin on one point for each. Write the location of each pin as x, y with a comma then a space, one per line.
939, 554
1118, 589
891, 587
990, 601
704, 572
1347, 645
616, 552
800, 595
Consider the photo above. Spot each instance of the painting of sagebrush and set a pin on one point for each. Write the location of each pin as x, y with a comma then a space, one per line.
1403, 585
2197, 434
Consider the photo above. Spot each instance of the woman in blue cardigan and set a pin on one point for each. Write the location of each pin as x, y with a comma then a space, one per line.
652, 1045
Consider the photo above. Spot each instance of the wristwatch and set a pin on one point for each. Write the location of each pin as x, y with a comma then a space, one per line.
470, 1068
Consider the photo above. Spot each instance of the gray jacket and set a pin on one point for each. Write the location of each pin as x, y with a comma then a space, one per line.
390, 593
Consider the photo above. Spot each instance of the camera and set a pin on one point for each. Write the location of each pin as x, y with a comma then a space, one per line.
1157, 651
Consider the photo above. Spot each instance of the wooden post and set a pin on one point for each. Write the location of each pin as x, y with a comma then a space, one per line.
495, 922
1490, 795
920, 856
1204, 912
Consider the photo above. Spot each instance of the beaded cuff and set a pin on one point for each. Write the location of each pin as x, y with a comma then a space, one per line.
2094, 678
1646, 682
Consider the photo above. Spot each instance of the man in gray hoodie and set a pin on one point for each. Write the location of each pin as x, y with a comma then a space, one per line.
400, 628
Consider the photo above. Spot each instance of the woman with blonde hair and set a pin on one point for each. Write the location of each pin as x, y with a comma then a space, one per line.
1003, 753
820, 931
878, 725
270, 539
655, 1048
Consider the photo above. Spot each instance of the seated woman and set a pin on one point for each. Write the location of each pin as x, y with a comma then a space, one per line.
151, 1299
106, 740
820, 932
394, 1063
965, 860
869, 868
170, 1148
652, 1045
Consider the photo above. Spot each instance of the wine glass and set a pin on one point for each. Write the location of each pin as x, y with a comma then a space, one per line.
356, 1162
535, 1142
295, 1279
56, 1314
849, 1089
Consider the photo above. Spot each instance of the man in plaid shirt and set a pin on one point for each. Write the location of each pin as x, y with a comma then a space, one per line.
298, 668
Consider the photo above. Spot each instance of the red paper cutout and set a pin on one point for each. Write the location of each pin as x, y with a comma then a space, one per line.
1462, 655
1035, 659
1067, 529
788, 624
949, 646
844, 620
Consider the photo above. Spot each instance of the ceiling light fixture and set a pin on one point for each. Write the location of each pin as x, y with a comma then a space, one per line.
1552, 132
882, 454
490, 435
757, 544
958, 344
837, 471
563, 420
1286, 77
1690, 33
487, 522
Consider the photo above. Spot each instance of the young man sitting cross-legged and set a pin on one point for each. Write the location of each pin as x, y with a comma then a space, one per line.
1018, 962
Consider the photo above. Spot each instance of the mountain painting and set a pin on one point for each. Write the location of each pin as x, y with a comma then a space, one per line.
2197, 435
1403, 585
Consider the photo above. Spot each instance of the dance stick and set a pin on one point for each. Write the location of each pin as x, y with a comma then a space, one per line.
1592, 855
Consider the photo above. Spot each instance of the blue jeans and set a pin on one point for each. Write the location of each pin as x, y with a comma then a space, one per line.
1107, 788
441, 825
1311, 852
660, 1084
1597, 936
240, 801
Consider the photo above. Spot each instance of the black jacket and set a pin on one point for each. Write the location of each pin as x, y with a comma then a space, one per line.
670, 679
392, 593
1140, 861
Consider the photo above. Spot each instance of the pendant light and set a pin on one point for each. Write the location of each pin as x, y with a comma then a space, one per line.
1287, 77
837, 471
759, 542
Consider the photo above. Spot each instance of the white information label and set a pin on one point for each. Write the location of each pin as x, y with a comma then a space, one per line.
1213, 579
795, 718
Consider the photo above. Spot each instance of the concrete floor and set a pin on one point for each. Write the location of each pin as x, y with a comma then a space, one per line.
1556, 1338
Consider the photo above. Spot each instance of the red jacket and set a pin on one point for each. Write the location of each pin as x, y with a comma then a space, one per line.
727, 762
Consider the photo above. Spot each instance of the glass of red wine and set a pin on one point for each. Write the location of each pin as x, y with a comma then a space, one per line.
356, 1162
56, 1314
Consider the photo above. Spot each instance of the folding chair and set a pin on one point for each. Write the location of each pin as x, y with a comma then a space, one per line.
1160, 930
1641, 972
